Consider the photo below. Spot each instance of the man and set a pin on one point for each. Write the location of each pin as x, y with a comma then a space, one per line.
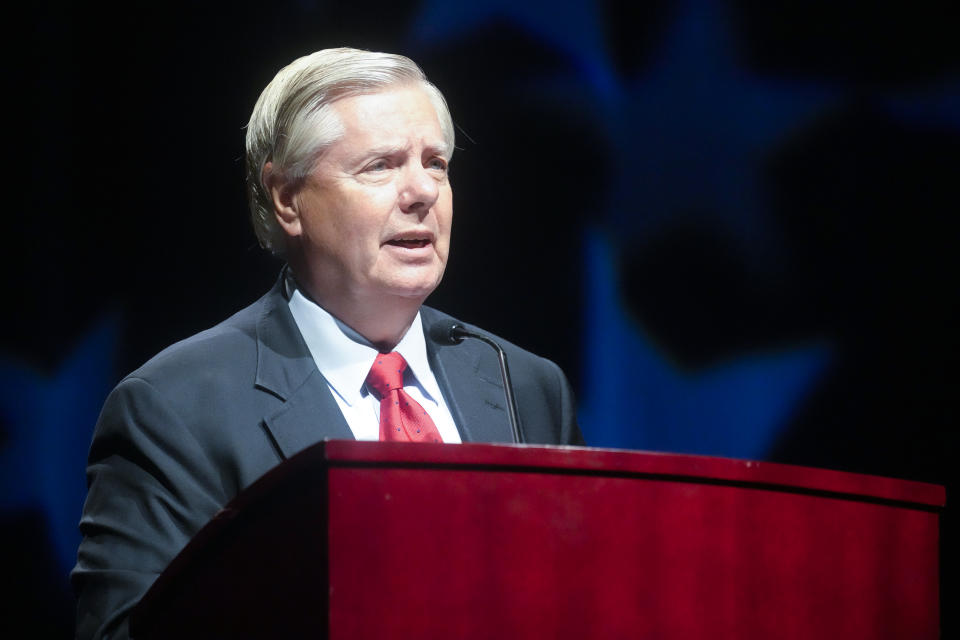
348, 154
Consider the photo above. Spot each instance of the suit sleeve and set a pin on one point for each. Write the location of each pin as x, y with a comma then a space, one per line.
151, 486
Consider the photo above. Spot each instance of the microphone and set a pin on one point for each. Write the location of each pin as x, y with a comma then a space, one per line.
451, 333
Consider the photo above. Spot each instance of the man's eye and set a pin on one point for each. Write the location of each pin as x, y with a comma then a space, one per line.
379, 165
437, 163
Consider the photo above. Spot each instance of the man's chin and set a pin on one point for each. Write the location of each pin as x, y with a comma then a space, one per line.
418, 294
414, 290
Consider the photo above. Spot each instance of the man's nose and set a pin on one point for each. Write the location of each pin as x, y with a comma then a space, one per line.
419, 189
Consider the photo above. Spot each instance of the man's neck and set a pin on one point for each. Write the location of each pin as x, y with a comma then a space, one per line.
384, 325
383, 321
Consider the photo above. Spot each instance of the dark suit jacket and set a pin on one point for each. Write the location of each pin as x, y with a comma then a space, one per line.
182, 435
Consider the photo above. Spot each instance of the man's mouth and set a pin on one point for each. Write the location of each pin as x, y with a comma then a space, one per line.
410, 243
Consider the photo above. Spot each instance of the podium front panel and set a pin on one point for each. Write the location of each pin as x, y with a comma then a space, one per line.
356, 540
519, 549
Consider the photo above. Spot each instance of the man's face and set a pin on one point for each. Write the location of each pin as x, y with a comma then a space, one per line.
375, 212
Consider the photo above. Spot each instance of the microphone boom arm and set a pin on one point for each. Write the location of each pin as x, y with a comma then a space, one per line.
456, 335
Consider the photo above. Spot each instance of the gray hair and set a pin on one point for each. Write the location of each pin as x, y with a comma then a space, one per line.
292, 123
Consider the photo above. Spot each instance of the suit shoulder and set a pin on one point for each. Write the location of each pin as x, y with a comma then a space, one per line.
228, 345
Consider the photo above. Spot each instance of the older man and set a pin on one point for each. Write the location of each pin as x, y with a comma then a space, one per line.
348, 154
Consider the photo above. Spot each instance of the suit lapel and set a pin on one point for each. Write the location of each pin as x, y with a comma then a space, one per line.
308, 416
471, 386
467, 374
286, 370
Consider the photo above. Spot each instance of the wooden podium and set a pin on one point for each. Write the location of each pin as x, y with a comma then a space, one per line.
353, 540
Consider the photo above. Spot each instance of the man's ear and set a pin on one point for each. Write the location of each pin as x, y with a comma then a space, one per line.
283, 193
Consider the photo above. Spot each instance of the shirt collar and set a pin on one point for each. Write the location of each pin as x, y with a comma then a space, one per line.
413, 348
344, 357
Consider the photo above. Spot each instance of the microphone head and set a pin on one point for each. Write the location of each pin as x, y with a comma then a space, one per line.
446, 333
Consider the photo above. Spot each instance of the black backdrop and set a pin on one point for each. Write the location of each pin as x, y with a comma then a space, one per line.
764, 179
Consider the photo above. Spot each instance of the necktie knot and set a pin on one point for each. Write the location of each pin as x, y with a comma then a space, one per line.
401, 417
386, 374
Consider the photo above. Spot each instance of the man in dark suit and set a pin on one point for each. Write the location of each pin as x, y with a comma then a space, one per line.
347, 155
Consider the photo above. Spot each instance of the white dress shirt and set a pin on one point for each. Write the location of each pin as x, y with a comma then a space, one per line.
344, 358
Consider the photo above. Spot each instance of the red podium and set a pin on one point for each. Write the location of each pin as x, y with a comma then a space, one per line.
354, 540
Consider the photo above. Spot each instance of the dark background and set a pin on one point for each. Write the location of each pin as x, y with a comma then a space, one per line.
731, 224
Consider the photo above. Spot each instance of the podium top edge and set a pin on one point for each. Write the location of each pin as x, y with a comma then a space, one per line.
619, 462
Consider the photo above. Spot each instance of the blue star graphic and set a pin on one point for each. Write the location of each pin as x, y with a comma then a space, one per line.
692, 131
49, 421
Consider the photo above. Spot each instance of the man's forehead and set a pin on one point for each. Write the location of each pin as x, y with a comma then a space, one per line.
391, 120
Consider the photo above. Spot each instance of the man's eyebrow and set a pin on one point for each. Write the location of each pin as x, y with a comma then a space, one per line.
442, 149
385, 150
439, 148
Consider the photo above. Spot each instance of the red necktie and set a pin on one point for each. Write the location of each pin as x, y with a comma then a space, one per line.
401, 417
